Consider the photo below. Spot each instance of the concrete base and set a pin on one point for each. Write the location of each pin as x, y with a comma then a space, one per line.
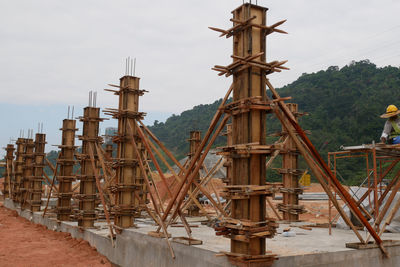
133, 247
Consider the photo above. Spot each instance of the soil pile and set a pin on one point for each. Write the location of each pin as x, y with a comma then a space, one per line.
23, 243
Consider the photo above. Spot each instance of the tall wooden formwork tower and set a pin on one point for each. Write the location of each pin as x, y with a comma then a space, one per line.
249, 127
66, 175
194, 143
129, 179
36, 180
8, 174
19, 163
290, 176
27, 172
248, 226
87, 190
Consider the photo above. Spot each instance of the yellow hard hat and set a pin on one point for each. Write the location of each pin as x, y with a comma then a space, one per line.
391, 111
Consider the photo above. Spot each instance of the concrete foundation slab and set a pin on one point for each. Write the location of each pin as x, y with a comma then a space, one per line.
133, 247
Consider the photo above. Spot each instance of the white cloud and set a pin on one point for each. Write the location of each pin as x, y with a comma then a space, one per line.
56, 51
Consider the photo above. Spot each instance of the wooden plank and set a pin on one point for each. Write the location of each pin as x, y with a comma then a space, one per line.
369, 245
187, 241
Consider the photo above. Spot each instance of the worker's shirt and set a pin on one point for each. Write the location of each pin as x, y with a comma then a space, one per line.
388, 128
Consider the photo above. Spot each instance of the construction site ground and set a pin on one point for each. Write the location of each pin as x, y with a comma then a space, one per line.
24, 243
313, 247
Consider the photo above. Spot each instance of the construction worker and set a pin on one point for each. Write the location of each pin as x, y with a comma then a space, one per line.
391, 130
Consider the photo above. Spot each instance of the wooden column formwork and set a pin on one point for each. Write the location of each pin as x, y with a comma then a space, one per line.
248, 227
8, 174
18, 167
290, 177
228, 160
66, 176
249, 127
87, 189
35, 188
129, 179
194, 143
27, 172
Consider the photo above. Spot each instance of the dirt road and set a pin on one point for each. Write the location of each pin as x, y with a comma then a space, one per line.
23, 243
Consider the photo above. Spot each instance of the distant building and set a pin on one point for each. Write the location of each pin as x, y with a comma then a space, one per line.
109, 134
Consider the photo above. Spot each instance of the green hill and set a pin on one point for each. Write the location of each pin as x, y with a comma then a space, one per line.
344, 105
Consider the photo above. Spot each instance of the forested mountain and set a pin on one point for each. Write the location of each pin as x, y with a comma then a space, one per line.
344, 105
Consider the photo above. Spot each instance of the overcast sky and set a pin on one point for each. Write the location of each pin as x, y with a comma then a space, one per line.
52, 53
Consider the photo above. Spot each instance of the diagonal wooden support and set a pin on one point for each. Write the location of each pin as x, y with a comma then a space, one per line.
189, 176
388, 189
213, 124
161, 145
185, 224
273, 208
204, 191
111, 174
48, 181
275, 154
145, 174
142, 168
155, 188
318, 173
51, 187
395, 180
153, 158
107, 159
352, 205
390, 217
386, 207
177, 179
103, 202
147, 147
106, 177
204, 181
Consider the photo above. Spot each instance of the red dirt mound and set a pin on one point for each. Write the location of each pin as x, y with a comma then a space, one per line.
23, 243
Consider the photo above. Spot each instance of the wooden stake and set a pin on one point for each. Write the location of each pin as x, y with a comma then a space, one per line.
103, 166
189, 176
141, 165
153, 158
103, 202
336, 183
317, 172
213, 124
273, 208
161, 145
